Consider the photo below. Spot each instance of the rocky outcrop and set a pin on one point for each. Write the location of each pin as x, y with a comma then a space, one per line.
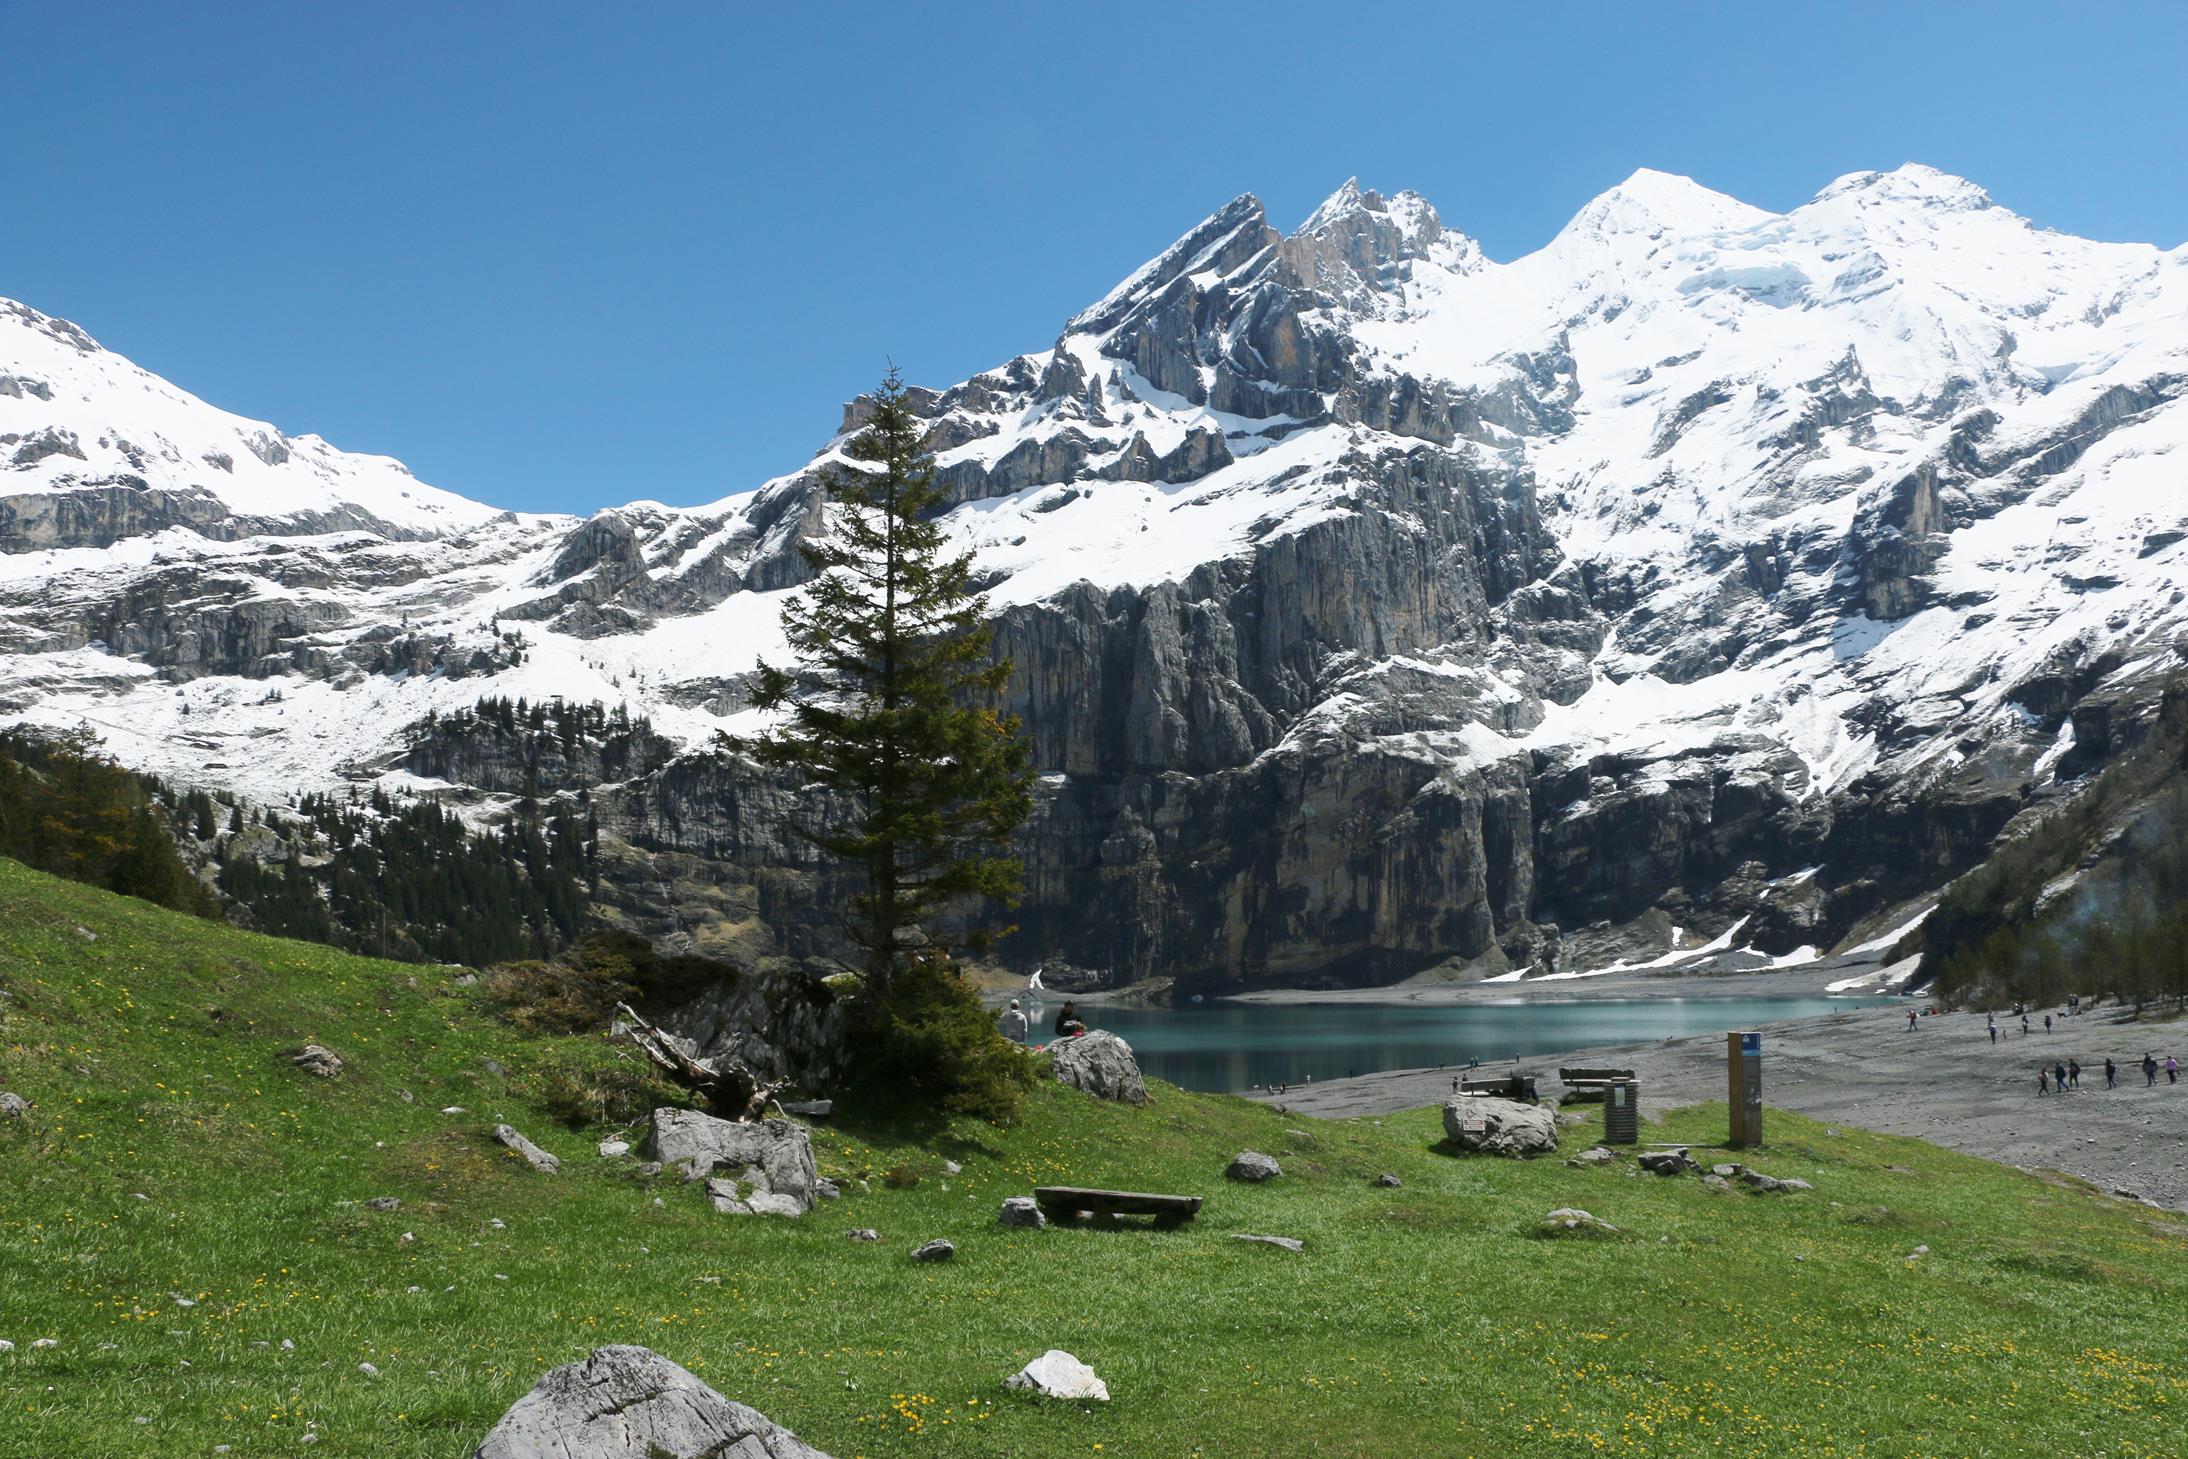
773, 1157
1481, 1125
631, 1403
1100, 1064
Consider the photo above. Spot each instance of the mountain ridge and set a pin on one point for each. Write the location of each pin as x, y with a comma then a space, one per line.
1379, 607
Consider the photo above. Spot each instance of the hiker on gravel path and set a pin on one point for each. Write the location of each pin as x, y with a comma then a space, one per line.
2111, 1073
2043, 1082
2149, 1070
2074, 1073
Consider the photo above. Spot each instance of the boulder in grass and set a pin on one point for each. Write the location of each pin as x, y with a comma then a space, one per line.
775, 1155
1023, 1211
1057, 1374
1668, 1162
317, 1059
631, 1403
1252, 1167
507, 1137
14, 1107
1480, 1124
1569, 1221
1100, 1064
935, 1251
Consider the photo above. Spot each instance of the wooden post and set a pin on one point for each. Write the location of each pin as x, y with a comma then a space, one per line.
1744, 1086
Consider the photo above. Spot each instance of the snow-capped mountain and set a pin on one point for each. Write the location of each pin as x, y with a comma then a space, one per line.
1709, 577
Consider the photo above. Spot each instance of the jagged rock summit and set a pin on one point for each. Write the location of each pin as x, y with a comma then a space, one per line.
1711, 583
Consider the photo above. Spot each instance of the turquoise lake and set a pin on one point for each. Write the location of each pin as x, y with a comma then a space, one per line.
1230, 1047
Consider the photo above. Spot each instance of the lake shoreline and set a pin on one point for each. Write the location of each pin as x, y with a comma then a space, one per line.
1943, 1081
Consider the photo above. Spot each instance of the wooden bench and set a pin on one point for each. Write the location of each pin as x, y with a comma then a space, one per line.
1593, 1083
1067, 1202
1503, 1086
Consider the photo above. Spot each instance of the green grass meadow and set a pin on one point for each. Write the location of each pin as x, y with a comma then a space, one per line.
2046, 1319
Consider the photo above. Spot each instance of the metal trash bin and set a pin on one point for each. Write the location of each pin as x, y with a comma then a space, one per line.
1622, 1113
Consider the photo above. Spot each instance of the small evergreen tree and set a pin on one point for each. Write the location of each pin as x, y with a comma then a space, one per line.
890, 709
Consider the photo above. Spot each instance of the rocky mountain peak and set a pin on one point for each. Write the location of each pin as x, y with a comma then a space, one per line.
1218, 244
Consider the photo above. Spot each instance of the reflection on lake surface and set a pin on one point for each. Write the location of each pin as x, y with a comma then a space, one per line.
1233, 1046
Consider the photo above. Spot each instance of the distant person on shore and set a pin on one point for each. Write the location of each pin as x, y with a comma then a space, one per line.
2043, 1081
2172, 1070
2047, 1023
1454, 1084
2058, 1077
1068, 1022
2024, 1025
1994, 1028
2111, 1073
2149, 1070
1910, 1018
2073, 1003
1014, 1023
2074, 1074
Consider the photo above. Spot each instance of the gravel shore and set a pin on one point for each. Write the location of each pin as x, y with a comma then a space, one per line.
1943, 1081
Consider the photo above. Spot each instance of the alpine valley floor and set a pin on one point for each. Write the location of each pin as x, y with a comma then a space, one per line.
182, 1215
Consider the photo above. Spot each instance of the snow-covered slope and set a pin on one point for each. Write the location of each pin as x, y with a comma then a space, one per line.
1377, 604
79, 423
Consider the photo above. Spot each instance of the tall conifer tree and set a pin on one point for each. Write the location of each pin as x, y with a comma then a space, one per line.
890, 705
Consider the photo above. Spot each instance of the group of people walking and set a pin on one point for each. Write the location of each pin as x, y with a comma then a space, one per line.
2061, 1078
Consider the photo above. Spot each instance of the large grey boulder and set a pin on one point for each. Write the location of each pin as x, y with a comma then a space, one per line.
632, 1403
1484, 1125
771, 1156
1100, 1064
14, 1107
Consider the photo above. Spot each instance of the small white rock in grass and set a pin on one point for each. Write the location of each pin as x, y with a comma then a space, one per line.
1289, 1243
368, 1370
6, 1346
47, 1342
498, 1224
1057, 1374
951, 1167
288, 1345
140, 1419
610, 1149
454, 1109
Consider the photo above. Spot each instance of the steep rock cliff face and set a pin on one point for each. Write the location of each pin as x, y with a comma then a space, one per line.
1708, 577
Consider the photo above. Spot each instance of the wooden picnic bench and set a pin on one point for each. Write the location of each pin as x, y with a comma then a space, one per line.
1066, 1202
1591, 1083
1503, 1086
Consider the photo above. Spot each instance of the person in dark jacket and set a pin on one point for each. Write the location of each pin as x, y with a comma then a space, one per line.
2111, 1073
1068, 1021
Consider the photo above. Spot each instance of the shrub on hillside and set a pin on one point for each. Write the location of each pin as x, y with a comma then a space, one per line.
928, 1043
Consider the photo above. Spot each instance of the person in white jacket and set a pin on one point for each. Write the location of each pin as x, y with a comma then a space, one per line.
1014, 1023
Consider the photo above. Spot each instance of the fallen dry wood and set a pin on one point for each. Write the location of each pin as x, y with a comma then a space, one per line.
727, 1083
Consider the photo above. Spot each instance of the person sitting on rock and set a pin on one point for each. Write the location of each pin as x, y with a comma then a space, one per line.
1068, 1022
1014, 1023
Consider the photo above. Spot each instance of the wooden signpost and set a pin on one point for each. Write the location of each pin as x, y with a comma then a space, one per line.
1744, 1086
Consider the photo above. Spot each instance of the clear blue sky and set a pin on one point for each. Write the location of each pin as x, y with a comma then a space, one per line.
558, 256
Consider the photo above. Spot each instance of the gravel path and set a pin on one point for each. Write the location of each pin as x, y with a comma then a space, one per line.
1942, 1081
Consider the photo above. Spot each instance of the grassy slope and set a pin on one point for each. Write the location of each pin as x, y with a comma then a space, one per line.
1426, 1320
